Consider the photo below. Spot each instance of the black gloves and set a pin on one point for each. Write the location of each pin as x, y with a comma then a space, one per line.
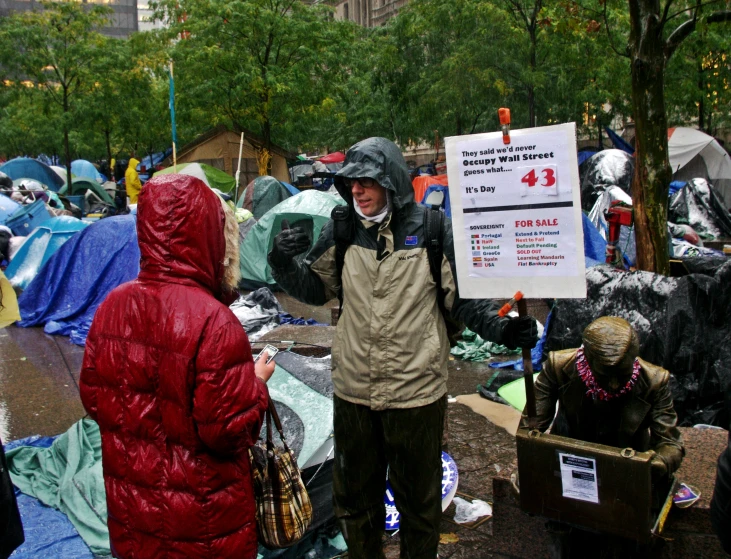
520, 331
288, 244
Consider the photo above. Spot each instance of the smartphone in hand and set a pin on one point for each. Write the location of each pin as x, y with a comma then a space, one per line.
271, 350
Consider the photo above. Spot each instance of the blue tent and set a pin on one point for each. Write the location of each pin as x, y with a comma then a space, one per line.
69, 288
157, 158
7, 208
40, 245
81, 168
26, 168
618, 142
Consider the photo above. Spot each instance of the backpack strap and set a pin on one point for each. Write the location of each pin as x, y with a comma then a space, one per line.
344, 233
433, 226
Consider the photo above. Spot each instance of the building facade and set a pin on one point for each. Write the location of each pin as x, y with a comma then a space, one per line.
368, 13
122, 23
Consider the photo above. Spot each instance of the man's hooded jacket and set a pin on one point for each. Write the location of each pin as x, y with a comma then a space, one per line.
391, 346
168, 375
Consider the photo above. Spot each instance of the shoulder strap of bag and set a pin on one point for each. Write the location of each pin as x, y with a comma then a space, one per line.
273, 416
343, 232
433, 225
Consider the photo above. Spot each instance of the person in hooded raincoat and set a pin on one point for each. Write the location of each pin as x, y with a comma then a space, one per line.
169, 377
390, 352
132, 180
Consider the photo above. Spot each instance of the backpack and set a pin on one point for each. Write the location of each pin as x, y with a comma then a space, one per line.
344, 233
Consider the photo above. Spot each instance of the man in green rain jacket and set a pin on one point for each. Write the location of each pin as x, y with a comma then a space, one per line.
389, 358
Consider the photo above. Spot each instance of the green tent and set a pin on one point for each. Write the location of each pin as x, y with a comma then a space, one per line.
262, 194
310, 210
214, 178
79, 187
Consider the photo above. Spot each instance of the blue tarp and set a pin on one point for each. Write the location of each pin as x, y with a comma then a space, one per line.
292, 189
7, 208
585, 154
38, 248
48, 532
595, 247
75, 280
26, 168
157, 158
439, 188
618, 142
81, 168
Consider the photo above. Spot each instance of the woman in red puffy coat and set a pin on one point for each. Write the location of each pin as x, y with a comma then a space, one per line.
168, 375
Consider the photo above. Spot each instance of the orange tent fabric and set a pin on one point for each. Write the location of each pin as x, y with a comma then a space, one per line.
422, 182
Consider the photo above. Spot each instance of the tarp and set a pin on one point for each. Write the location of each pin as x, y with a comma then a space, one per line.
310, 210
157, 159
422, 182
262, 194
619, 142
7, 208
694, 154
69, 288
610, 167
682, 324
214, 178
26, 168
40, 245
698, 205
68, 476
81, 168
335, 157
439, 188
48, 531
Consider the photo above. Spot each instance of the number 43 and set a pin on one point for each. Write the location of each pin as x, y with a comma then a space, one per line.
531, 178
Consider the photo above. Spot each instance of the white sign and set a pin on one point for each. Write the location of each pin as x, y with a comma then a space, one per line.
578, 478
516, 213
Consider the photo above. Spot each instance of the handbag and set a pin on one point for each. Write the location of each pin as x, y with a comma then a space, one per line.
283, 507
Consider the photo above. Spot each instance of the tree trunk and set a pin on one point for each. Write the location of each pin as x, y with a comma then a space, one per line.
109, 153
652, 169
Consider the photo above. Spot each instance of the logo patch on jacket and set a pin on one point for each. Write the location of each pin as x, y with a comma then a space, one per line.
412, 240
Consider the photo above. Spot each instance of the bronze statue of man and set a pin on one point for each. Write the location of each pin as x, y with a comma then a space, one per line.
608, 395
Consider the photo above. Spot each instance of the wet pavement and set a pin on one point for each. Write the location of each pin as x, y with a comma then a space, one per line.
39, 394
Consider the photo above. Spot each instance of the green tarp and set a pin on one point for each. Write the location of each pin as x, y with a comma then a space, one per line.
310, 210
473, 348
262, 194
68, 476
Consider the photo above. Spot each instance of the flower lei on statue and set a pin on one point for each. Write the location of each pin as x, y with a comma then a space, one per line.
593, 388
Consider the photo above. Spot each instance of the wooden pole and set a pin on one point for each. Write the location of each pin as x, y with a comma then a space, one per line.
530, 395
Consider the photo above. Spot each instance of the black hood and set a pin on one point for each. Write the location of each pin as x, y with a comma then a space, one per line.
379, 159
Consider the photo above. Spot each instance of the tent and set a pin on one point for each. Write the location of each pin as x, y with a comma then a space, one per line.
26, 168
446, 203
40, 245
214, 178
694, 154
77, 278
150, 162
422, 182
82, 186
61, 172
610, 167
81, 168
310, 209
697, 205
262, 194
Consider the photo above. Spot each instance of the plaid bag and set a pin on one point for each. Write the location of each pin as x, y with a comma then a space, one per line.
283, 508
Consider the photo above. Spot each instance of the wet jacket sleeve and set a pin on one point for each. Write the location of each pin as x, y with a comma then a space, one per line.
229, 402
313, 280
89, 380
479, 315
665, 438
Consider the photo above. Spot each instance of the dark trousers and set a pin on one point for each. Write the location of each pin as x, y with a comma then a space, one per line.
408, 442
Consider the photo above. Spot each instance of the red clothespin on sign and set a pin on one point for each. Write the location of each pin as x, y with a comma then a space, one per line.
504, 116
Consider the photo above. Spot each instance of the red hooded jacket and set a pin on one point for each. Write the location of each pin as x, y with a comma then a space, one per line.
168, 375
